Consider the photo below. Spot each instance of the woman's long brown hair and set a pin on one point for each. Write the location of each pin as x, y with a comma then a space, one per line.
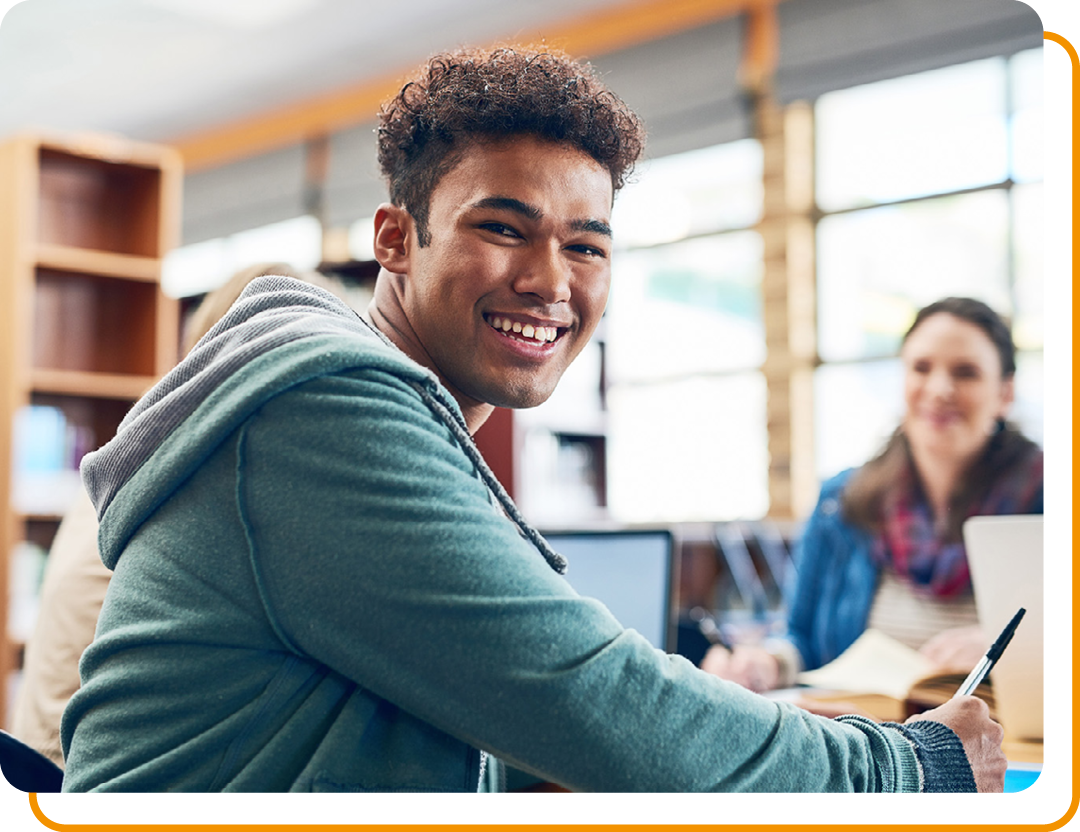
871, 487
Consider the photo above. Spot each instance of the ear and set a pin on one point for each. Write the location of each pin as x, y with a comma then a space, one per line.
393, 237
1008, 395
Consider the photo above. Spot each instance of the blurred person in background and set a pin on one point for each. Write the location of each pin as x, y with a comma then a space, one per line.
883, 549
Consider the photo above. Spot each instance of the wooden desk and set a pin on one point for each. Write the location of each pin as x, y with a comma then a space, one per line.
1023, 751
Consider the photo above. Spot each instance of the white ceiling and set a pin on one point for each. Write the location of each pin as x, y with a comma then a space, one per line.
157, 70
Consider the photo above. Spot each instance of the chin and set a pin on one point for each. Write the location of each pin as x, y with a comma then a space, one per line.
518, 397
524, 400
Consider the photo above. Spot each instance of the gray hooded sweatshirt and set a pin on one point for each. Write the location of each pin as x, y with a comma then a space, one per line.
319, 586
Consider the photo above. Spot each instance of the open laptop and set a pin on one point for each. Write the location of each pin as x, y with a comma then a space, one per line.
1005, 555
632, 572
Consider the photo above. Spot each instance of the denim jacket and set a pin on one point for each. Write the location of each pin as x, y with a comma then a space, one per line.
836, 577
835, 583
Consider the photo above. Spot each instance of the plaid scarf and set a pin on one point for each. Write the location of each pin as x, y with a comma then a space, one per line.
913, 548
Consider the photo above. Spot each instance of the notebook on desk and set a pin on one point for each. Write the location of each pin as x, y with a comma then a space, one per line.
630, 571
1005, 555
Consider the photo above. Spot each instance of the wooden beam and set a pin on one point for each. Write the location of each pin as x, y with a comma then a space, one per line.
761, 45
586, 35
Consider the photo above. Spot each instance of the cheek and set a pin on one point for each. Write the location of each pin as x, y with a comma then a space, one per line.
592, 292
989, 402
912, 390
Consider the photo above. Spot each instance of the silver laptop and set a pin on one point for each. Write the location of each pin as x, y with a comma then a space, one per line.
1005, 555
632, 571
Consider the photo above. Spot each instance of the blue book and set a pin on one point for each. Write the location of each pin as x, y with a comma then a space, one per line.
40, 439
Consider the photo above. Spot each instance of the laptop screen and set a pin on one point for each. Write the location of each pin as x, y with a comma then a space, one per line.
1005, 554
629, 571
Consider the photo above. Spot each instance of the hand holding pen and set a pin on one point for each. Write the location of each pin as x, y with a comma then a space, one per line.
969, 718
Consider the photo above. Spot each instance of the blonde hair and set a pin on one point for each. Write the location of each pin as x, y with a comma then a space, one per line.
217, 302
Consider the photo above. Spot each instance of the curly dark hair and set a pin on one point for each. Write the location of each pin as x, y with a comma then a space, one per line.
470, 95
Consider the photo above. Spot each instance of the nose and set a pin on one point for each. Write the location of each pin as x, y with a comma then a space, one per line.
940, 384
545, 274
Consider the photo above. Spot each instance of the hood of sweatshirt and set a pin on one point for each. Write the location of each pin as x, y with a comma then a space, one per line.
280, 333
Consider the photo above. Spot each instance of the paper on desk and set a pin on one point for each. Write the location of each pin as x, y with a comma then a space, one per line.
875, 663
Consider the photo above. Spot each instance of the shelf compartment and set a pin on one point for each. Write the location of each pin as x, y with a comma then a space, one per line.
51, 438
91, 323
96, 204
97, 417
586, 457
40, 529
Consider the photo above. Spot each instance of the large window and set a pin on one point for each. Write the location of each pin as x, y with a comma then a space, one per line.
929, 185
685, 341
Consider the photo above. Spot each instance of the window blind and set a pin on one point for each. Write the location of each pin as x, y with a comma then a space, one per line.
827, 45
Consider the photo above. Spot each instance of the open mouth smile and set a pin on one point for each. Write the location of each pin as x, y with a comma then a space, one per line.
941, 419
523, 331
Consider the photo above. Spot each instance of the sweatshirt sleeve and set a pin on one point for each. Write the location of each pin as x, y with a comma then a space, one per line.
379, 553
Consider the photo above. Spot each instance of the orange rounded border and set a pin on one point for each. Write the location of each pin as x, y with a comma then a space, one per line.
209, 827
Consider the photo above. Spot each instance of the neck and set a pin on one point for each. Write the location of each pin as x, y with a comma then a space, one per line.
387, 313
939, 479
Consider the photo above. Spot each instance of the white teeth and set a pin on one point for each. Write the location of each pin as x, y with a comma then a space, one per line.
543, 334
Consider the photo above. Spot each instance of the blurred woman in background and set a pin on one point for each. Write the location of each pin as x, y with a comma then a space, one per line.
883, 548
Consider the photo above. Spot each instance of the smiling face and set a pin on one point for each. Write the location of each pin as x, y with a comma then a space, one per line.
953, 388
515, 277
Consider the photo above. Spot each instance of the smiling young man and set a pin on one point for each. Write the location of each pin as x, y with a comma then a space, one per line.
514, 275
320, 586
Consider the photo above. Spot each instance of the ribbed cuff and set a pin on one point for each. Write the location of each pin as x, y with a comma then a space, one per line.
898, 765
941, 754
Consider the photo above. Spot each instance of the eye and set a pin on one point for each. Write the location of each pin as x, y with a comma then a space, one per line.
589, 251
500, 229
966, 371
921, 367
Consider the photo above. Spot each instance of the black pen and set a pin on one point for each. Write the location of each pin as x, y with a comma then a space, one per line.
991, 657
708, 627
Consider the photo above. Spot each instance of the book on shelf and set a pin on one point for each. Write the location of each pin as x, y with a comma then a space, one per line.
48, 449
27, 567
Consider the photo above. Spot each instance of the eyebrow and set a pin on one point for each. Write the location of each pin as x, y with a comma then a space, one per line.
508, 203
592, 226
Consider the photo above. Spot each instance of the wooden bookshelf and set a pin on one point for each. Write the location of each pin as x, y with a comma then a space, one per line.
85, 221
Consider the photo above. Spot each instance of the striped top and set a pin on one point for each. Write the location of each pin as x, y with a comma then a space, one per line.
910, 617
